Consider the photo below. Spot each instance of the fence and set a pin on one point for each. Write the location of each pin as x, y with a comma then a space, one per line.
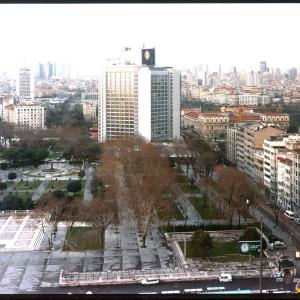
132, 277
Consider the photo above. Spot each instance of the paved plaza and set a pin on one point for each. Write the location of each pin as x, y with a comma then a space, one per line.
19, 232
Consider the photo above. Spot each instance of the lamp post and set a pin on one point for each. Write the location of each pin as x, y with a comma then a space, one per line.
248, 204
260, 257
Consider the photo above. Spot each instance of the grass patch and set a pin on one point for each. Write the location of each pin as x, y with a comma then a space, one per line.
190, 189
176, 212
205, 210
83, 238
231, 258
25, 195
219, 249
182, 179
61, 184
28, 185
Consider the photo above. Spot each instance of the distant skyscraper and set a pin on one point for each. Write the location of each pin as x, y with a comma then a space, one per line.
233, 70
220, 70
49, 68
292, 74
263, 66
40, 72
202, 78
254, 78
25, 84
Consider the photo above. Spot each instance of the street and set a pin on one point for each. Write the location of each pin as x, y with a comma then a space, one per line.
242, 284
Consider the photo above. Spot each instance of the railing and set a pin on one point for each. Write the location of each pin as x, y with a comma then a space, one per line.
15, 212
131, 277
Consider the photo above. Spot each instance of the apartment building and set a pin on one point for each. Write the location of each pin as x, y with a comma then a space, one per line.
209, 125
253, 99
244, 147
281, 170
29, 115
89, 109
281, 120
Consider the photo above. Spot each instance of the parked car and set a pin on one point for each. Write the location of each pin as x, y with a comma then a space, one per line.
289, 214
225, 277
277, 275
149, 281
278, 245
285, 258
297, 220
273, 238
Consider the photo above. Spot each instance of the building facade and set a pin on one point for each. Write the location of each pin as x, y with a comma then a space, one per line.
25, 84
159, 103
31, 115
281, 170
139, 100
118, 102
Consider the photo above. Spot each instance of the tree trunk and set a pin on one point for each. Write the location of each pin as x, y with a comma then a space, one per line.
144, 241
230, 220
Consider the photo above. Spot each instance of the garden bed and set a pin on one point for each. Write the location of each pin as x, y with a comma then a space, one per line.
83, 238
204, 209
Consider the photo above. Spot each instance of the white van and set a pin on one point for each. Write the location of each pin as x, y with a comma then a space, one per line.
289, 214
225, 277
149, 281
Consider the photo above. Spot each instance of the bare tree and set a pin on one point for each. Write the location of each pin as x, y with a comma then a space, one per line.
236, 189
99, 214
149, 180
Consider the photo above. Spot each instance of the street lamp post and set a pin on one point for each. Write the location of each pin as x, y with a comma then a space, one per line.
248, 204
260, 258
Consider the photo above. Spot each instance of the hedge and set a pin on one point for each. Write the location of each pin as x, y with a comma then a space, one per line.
208, 227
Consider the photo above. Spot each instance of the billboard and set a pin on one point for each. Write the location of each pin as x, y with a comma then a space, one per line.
249, 247
148, 57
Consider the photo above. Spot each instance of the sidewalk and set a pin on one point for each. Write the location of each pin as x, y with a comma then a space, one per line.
131, 277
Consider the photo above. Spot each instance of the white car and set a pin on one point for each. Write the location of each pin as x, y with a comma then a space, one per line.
225, 277
149, 281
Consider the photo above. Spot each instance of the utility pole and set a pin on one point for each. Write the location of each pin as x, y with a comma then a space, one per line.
260, 259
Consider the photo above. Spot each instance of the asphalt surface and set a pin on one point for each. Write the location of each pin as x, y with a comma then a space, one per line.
242, 284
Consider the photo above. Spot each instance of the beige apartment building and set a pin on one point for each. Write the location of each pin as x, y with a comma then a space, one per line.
282, 170
31, 115
209, 125
245, 147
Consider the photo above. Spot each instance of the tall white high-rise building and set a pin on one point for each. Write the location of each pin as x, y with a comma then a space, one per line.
139, 100
159, 103
25, 84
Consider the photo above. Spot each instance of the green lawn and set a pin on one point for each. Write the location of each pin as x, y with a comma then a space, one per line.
176, 212
190, 189
24, 195
206, 211
30, 185
61, 184
219, 249
82, 238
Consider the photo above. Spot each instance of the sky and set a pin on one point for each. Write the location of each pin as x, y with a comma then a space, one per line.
184, 35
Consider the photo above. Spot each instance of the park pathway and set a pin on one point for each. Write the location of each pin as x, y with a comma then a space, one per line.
87, 194
40, 190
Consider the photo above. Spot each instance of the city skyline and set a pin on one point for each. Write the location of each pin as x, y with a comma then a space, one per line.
184, 35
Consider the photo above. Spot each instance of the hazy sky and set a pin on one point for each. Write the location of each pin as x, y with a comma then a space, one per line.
184, 35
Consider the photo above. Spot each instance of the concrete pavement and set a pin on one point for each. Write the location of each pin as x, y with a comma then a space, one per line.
87, 195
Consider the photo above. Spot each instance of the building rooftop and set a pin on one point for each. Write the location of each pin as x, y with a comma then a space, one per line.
244, 118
